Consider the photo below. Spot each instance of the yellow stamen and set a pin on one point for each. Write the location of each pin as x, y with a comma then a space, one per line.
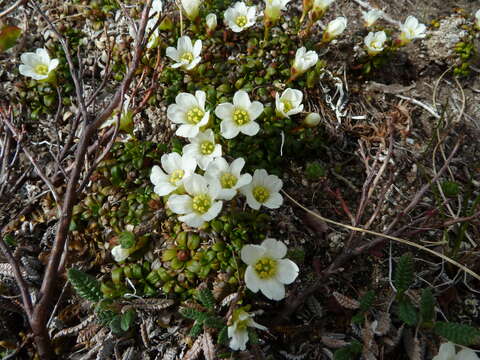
201, 203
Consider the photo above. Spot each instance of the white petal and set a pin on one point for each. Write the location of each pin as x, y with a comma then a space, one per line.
252, 281
287, 271
195, 184
243, 180
236, 166
273, 183
254, 324
201, 97
172, 53
255, 110
274, 201
224, 111
250, 129
227, 194
274, 248
180, 204
184, 44
187, 130
29, 59
239, 340
228, 129
241, 100
446, 352
197, 48
466, 354
186, 101
188, 164
214, 187
157, 175
272, 289
164, 188
53, 65
171, 162
192, 220
251, 253
194, 63
176, 114
213, 211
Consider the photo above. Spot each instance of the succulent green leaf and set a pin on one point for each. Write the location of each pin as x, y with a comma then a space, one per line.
127, 319
127, 239
8, 37
222, 338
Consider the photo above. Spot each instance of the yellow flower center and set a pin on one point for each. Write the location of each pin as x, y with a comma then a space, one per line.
287, 105
187, 56
228, 180
41, 69
201, 203
194, 115
241, 20
240, 117
176, 176
266, 268
260, 193
207, 147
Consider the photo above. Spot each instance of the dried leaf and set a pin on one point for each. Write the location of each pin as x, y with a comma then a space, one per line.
195, 350
75, 329
208, 347
228, 299
86, 334
333, 343
345, 301
8, 37
412, 346
170, 353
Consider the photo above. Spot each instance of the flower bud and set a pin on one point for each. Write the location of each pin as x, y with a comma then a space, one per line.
312, 120
334, 29
211, 21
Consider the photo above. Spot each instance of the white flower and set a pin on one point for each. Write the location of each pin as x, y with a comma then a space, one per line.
447, 352
156, 8
312, 120
203, 148
240, 16
186, 55
239, 116
238, 331
371, 17
120, 254
477, 18
267, 271
304, 60
289, 103
263, 190
228, 175
335, 28
375, 42
37, 65
412, 29
192, 8
176, 169
319, 8
211, 21
273, 8
189, 111
199, 205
